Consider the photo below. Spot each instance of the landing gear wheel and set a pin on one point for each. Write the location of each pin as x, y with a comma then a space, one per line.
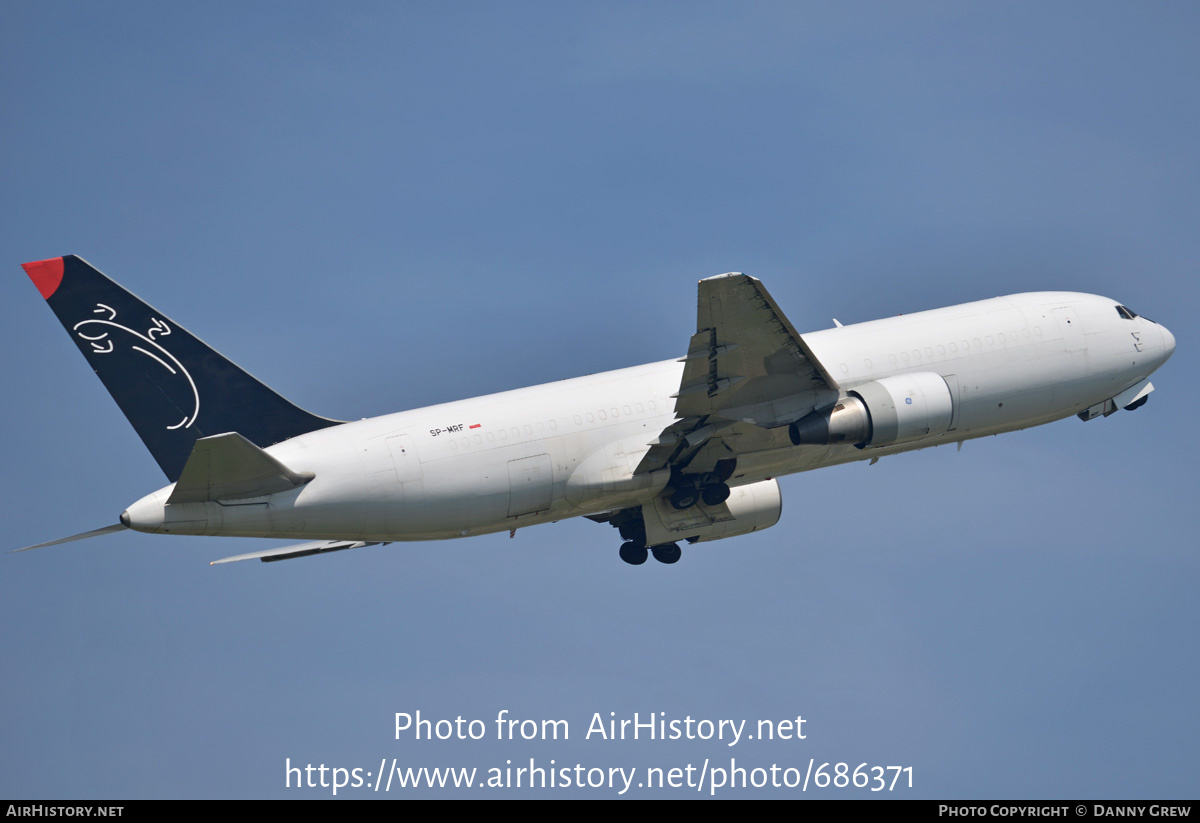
715, 495
684, 498
668, 553
635, 555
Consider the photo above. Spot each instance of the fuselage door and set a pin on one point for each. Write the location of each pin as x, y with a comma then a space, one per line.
404, 457
1071, 327
530, 485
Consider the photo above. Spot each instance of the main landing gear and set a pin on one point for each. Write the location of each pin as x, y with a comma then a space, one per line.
688, 491
668, 553
709, 487
635, 554
713, 494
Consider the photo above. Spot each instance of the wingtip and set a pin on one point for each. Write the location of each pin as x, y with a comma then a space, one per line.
46, 274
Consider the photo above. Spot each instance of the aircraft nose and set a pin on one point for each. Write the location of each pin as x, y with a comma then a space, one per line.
1168, 341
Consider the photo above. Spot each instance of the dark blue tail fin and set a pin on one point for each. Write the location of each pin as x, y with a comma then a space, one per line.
173, 388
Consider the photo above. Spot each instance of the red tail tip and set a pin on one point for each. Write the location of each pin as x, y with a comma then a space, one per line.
47, 275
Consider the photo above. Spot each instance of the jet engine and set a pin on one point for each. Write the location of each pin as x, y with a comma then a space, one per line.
897, 409
748, 508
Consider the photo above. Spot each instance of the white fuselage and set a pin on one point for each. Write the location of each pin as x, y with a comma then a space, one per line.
570, 448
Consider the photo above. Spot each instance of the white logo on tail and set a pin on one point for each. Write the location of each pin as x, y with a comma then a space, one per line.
97, 333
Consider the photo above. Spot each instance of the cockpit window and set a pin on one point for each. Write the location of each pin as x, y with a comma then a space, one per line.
1128, 314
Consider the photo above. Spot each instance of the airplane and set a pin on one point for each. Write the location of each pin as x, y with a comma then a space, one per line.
685, 450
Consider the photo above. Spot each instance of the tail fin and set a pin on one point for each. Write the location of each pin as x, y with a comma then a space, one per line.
171, 386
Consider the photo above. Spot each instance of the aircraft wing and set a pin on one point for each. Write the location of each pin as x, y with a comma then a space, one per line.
747, 369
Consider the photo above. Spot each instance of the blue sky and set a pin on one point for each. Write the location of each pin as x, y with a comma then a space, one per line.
383, 206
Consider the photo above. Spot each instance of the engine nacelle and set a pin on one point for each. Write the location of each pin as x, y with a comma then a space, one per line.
750, 508
898, 409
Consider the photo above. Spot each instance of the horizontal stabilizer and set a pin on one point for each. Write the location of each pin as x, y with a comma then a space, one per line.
230, 467
116, 527
298, 550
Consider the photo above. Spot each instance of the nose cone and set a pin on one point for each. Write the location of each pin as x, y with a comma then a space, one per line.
1168, 342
